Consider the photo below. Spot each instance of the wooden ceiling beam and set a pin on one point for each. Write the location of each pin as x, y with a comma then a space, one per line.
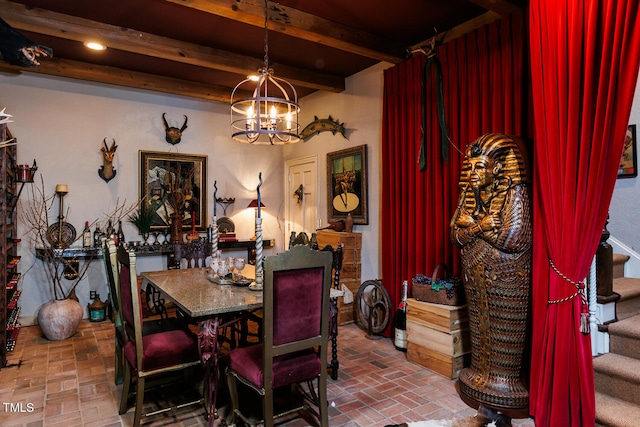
501, 7
116, 76
295, 23
78, 29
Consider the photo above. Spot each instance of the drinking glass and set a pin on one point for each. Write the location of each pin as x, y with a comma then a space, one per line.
238, 264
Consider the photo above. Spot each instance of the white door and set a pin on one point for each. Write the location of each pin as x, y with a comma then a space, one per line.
301, 196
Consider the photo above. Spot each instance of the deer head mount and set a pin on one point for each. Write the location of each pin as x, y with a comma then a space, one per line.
173, 134
106, 171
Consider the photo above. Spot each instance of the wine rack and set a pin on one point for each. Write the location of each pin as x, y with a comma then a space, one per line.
9, 276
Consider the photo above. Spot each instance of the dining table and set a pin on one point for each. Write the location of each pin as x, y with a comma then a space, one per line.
199, 295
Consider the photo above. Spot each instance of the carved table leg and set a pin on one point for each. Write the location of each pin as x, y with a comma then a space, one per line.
208, 347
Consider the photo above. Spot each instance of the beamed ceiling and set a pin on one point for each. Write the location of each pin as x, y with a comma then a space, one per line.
203, 48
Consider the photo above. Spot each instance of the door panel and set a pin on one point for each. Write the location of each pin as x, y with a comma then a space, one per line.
301, 212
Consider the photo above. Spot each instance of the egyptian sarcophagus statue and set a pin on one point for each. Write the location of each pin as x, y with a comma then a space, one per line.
492, 226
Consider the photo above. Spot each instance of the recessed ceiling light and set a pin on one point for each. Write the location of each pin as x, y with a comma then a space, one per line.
95, 46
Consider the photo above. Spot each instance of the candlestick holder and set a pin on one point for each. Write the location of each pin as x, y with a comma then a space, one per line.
225, 202
24, 175
259, 277
61, 234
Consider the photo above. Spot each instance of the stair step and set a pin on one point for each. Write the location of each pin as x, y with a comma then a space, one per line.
629, 290
618, 264
624, 337
614, 412
618, 376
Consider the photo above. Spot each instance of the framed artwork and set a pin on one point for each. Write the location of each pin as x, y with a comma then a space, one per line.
174, 182
629, 160
347, 184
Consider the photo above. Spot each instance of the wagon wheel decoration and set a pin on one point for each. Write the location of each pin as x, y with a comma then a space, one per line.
374, 307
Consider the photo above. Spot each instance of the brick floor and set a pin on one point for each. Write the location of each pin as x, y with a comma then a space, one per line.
70, 383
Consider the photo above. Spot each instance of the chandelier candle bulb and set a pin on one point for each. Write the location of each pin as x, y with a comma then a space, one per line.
250, 115
62, 188
273, 115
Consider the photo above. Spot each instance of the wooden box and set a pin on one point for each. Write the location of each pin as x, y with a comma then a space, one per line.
350, 273
444, 318
438, 337
453, 343
442, 364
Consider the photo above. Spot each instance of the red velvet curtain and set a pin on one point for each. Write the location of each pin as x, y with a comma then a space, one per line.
485, 85
584, 66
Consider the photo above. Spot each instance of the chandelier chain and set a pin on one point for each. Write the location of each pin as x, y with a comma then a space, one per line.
265, 118
266, 37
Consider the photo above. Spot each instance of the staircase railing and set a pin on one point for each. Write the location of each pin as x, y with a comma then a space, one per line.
604, 267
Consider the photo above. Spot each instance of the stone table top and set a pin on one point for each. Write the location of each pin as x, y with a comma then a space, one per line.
192, 291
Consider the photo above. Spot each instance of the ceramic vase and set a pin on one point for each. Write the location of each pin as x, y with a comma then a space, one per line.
348, 223
176, 229
59, 319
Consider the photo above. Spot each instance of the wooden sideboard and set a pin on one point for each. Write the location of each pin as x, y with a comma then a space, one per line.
350, 273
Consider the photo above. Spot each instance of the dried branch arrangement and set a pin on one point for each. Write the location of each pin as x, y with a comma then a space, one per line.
64, 272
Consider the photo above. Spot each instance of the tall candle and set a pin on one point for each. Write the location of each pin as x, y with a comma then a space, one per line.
215, 199
258, 189
62, 188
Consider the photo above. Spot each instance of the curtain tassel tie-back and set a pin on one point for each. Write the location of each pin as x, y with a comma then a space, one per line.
581, 290
444, 133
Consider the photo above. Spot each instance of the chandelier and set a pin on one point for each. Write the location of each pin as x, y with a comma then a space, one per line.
270, 116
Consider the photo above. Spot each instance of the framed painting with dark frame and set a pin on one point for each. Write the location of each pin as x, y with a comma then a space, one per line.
629, 160
347, 184
162, 174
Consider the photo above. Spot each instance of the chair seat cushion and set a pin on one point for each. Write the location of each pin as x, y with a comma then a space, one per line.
164, 349
287, 369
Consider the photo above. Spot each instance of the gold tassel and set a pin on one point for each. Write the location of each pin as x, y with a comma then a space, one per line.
585, 327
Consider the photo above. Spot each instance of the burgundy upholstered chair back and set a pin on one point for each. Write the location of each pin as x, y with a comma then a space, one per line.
125, 294
297, 297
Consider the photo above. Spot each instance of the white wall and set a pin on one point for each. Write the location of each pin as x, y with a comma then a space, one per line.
61, 123
360, 108
625, 203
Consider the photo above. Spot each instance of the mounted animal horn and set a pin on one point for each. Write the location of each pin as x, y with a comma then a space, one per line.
173, 134
107, 171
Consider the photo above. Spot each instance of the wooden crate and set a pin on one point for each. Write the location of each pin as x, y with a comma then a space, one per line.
444, 318
453, 343
438, 337
442, 364
350, 273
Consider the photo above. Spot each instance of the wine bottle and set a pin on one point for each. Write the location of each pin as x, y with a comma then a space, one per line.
401, 320
120, 234
110, 231
86, 235
96, 237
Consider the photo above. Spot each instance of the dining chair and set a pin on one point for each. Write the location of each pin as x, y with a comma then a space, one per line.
295, 332
194, 253
152, 355
150, 326
334, 365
